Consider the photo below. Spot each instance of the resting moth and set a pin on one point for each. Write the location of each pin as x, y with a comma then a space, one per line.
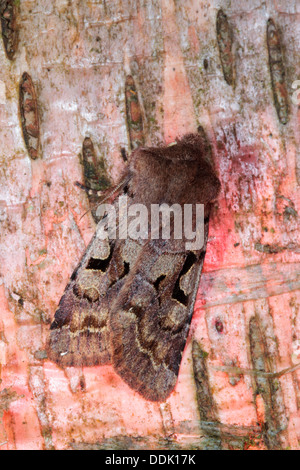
130, 302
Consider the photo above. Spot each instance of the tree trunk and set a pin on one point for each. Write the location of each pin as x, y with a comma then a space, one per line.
189, 64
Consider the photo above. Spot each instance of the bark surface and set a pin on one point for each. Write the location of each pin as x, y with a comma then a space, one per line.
190, 64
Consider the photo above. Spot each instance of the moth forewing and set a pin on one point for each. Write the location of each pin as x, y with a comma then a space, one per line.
79, 332
150, 319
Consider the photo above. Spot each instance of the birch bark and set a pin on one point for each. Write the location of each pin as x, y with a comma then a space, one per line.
187, 73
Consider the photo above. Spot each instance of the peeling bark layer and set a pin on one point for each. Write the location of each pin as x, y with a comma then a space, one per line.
29, 115
277, 72
9, 12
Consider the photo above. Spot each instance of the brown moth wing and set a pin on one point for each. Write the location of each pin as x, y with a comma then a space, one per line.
150, 319
79, 334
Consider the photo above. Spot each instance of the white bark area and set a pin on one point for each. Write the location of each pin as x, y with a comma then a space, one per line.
247, 311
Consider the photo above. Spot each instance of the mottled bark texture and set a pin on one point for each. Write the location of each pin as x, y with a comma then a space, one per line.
106, 76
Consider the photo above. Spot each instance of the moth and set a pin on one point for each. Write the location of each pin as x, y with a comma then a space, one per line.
130, 302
